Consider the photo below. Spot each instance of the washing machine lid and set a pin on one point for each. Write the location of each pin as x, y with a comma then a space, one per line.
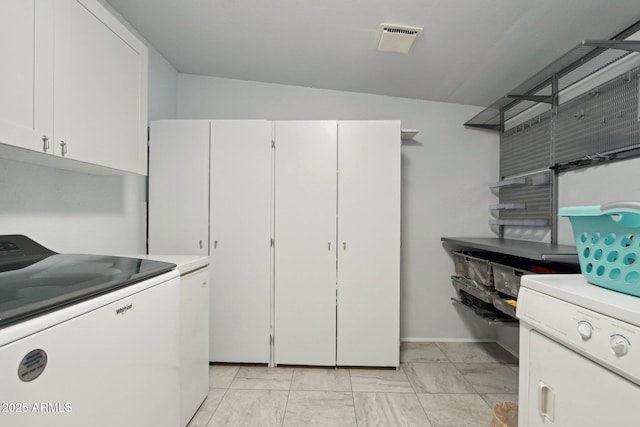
35, 280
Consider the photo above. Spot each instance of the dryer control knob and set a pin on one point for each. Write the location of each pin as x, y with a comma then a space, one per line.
619, 344
585, 330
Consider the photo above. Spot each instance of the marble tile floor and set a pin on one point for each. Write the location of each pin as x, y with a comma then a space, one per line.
444, 384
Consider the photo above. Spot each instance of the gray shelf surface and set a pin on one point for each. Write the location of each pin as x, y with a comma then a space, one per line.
521, 248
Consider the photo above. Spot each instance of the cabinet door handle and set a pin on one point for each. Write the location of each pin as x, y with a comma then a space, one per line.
546, 401
63, 148
215, 244
328, 246
344, 246
200, 243
45, 143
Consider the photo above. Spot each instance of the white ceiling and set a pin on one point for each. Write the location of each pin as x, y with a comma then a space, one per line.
471, 51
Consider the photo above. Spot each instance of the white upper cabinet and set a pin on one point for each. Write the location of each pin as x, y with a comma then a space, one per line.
76, 86
100, 88
26, 78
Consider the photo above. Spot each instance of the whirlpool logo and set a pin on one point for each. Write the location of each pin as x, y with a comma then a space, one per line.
124, 308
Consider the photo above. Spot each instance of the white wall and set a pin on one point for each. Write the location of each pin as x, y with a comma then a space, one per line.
72, 212
446, 172
75, 212
163, 88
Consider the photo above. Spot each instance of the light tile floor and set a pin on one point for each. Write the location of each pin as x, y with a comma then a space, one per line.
437, 385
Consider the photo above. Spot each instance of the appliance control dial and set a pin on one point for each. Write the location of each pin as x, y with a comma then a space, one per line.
619, 344
584, 330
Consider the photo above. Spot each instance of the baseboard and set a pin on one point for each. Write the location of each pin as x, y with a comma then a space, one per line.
414, 339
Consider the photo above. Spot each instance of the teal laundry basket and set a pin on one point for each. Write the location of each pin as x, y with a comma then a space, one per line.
608, 243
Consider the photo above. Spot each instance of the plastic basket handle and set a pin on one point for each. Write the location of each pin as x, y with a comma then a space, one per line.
627, 204
628, 212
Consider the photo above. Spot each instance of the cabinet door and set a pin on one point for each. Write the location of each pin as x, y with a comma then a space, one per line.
240, 241
179, 187
305, 235
26, 77
100, 88
194, 342
368, 243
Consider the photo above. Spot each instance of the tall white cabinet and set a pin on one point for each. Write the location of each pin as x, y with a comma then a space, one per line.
240, 242
210, 194
306, 156
302, 222
368, 293
337, 233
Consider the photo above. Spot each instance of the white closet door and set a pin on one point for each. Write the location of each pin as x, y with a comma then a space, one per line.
368, 243
305, 233
240, 241
179, 187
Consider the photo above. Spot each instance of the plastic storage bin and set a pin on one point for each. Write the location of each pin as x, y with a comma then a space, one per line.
476, 269
507, 279
608, 244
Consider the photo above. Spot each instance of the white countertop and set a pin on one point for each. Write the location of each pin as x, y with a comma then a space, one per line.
185, 263
574, 289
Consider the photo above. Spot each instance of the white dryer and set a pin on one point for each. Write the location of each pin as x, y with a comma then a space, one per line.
579, 353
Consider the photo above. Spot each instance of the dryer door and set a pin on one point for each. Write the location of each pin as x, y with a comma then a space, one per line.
567, 389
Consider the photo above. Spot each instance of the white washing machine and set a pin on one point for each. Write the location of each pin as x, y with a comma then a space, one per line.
579, 354
86, 340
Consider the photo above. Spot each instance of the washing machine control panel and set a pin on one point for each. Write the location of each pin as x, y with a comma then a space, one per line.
606, 340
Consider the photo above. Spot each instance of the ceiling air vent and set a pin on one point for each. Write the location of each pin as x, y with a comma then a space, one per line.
397, 38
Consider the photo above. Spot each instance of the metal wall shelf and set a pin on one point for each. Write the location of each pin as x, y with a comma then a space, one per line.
520, 222
509, 182
507, 206
582, 109
580, 62
408, 134
524, 201
536, 178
